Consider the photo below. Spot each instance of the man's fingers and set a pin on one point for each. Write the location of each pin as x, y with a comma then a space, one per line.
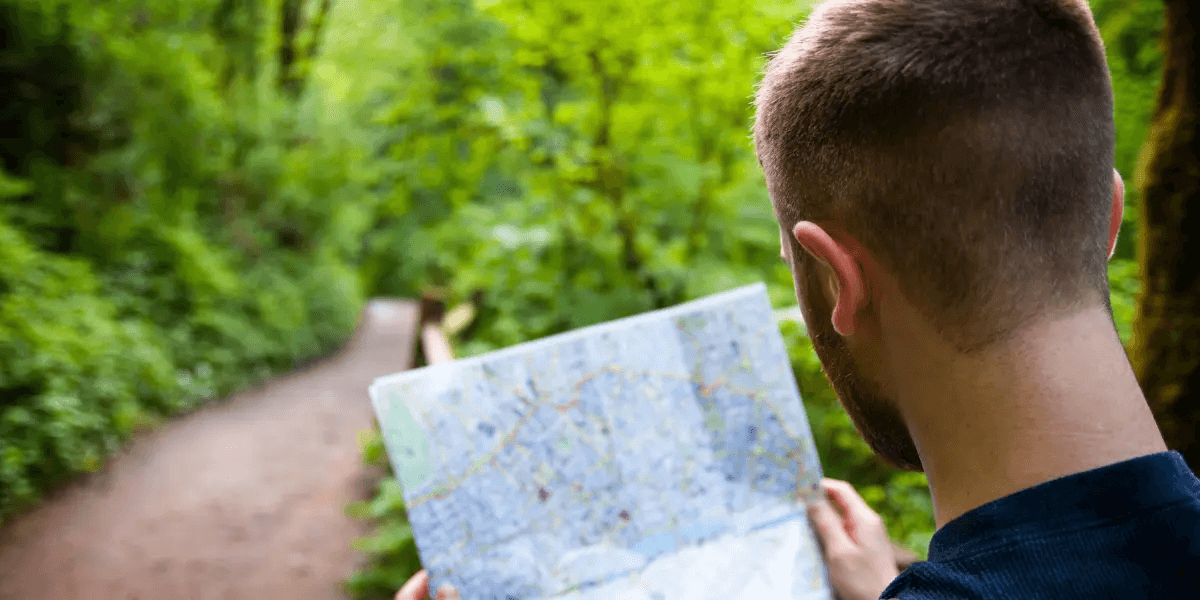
447, 593
847, 499
830, 529
417, 587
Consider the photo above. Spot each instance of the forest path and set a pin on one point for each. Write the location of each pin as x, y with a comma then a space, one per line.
242, 499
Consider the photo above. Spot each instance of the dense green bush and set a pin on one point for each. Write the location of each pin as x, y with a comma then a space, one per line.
75, 378
164, 231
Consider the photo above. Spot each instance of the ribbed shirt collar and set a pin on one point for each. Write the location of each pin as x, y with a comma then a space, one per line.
1070, 502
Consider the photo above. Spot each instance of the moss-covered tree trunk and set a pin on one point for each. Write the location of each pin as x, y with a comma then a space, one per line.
1166, 329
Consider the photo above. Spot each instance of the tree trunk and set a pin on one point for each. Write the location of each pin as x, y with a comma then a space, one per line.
294, 64
1166, 331
318, 29
236, 23
289, 26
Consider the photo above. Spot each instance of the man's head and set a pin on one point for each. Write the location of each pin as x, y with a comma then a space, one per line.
961, 148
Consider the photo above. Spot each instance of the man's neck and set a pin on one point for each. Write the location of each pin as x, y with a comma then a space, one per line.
1059, 399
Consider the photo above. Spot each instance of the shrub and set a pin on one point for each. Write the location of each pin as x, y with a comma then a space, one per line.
164, 237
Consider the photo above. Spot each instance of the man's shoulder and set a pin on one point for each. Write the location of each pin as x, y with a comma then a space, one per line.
925, 580
1144, 555
1093, 534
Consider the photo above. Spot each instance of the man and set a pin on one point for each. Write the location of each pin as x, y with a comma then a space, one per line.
942, 174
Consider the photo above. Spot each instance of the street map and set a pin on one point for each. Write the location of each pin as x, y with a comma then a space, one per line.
662, 456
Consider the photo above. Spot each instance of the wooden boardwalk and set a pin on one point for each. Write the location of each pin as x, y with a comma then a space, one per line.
243, 499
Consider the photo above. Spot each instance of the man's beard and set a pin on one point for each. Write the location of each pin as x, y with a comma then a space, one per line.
876, 418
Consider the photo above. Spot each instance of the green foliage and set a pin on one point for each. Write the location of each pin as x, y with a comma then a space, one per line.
165, 235
1125, 285
390, 549
575, 197
75, 379
1131, 32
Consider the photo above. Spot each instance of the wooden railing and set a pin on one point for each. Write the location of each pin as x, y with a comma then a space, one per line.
436, 349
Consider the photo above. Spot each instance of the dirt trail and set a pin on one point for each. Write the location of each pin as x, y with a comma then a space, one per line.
240, 500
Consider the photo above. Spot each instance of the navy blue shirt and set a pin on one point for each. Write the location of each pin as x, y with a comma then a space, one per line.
1128, 530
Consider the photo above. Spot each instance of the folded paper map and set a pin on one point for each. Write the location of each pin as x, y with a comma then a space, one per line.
662, 456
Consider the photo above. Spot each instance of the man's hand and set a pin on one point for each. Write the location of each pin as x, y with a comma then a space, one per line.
857, 549
417, 588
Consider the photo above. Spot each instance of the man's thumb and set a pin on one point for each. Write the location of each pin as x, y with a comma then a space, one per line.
830, 529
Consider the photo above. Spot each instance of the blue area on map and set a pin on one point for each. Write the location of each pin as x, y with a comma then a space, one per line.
701, 530
659, 543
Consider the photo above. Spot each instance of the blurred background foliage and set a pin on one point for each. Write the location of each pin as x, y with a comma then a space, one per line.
197, 194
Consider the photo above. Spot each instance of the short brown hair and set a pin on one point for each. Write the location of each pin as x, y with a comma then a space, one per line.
967, 143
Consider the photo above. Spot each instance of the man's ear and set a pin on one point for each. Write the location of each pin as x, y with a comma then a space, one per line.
850, 291
1118, 213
